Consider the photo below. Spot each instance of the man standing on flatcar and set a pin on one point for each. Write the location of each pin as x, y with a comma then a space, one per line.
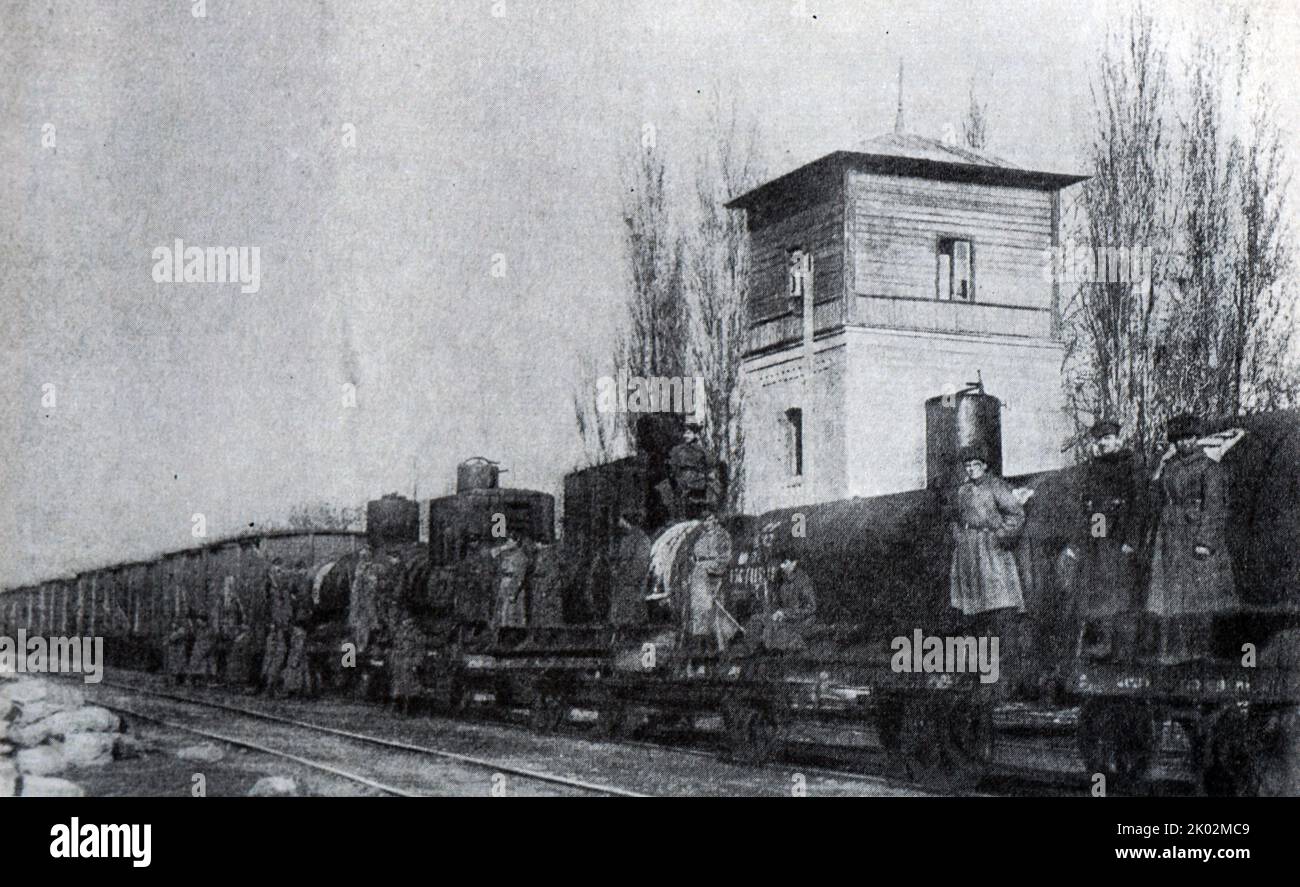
1098, 568
984, 581
1191, 571
362, 615
694, 483
629, 569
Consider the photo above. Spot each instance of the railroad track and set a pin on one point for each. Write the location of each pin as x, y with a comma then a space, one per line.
348, 736
997, 783
876, 783
1013, 770
711, 753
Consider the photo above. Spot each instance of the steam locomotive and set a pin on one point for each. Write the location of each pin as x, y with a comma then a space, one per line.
513, 616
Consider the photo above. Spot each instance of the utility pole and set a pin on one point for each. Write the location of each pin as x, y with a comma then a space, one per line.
801, 284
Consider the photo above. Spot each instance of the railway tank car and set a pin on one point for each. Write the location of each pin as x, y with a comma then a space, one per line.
879, 567
1236, 696
489, 570
879, 570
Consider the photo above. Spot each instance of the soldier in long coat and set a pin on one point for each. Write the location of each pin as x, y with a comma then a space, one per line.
362, 615
1099, 566
203, 653
692, 472
404, 660
629, 567
510, 603
176, 651
546, 587
236, 651
225, 619
708, 557
984, 582
1191, 568
279, 600
295, 679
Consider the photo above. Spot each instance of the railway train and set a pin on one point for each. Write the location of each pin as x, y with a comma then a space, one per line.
514, 616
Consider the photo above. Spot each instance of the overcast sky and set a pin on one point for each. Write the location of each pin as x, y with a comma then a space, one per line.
474, 134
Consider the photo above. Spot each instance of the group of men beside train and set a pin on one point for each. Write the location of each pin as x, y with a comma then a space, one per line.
223, 644
1168, 528
1185, 562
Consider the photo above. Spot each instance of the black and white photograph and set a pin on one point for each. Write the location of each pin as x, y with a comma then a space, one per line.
654, 398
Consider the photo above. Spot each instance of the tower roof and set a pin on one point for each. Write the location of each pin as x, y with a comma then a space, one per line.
906, 144
906, 154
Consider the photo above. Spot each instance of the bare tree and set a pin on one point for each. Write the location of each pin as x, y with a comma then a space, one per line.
1261, 368
1210, 328
1230, 328
1190, 328
1110, 325
718, 248
598, 429
655, 341
656, 329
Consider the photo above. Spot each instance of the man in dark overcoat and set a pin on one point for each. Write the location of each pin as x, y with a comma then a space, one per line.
794, 608
692, 471
1191, 568
629, 566
279, 599
1099, 566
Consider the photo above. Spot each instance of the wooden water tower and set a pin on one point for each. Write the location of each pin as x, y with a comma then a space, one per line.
926, 263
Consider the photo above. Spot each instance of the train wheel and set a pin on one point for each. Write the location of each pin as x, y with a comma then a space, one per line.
548, 711
1117, 739
1279, 752
922, 739
753, 736
968, 744
1233, 760
459, 698
615, 719
888, 718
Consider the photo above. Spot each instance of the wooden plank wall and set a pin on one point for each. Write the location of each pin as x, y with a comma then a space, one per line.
809, 218
894, 226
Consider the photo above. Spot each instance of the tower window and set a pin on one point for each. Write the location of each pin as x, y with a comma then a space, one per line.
794, 440
798, 278
956, 267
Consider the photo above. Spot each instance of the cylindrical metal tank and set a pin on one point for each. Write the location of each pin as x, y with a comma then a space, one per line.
877, 564
477, 473
457, 522
392, 520
952, 421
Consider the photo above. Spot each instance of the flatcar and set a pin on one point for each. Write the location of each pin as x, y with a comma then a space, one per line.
1235, 693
